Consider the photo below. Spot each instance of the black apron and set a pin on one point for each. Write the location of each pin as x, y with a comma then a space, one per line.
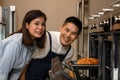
38, 68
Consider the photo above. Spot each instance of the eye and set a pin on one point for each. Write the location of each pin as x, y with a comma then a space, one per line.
67, 30
37, 23
74, 33
43, 24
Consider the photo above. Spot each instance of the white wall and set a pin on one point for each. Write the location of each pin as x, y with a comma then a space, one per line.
56, 10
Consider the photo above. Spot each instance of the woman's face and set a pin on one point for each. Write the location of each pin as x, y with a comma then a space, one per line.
36, 27
69, 33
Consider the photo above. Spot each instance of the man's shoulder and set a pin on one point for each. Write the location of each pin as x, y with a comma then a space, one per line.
54, 34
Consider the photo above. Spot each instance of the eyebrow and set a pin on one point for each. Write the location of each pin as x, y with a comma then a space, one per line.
70, 29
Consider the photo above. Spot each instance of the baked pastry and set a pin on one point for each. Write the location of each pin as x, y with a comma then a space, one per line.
87, 61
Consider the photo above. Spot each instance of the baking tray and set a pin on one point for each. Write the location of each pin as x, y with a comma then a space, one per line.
84, 66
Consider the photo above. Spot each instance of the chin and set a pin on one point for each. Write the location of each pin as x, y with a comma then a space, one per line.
38, 36
65, 44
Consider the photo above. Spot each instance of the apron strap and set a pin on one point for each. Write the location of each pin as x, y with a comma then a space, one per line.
50, 40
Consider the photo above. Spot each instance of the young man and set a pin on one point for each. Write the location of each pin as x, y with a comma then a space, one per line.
57, 44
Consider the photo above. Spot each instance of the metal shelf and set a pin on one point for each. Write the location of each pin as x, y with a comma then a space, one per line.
84, 66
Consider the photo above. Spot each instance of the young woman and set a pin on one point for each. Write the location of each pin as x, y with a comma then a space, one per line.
16, 49
56, 44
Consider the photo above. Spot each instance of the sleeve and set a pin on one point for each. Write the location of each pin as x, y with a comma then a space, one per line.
9, 52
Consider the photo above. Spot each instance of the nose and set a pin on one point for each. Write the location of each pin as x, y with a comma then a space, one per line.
68, 34
40, 26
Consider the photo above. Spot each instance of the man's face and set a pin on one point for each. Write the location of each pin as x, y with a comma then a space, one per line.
69, 33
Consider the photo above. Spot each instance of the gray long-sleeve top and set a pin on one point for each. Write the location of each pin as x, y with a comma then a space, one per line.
13, 57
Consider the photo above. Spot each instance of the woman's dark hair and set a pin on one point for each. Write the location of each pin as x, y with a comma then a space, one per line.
27, 40
75, 21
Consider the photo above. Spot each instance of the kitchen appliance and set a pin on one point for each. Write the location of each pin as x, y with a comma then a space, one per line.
7, 19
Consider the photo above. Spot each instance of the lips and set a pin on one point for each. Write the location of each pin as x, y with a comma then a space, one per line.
66, 39
39, 32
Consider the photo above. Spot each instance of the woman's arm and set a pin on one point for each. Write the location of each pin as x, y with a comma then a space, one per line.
8, 58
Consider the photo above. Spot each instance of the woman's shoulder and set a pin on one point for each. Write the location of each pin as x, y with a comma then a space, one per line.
15, 37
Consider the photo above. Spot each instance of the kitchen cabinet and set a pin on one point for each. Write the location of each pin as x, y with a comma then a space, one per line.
104, 45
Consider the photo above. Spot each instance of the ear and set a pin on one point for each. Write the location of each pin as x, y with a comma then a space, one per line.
27, 25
